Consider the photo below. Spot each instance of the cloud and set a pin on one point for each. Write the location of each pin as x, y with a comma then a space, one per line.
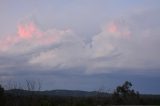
122, 45
28, 31
117, 30
29, 37
118, 45
72, 48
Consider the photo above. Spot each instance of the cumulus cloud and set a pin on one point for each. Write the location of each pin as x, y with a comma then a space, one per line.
119, 45
29, 37
70, 52
28, 30
118, 29
74, 52
126, 47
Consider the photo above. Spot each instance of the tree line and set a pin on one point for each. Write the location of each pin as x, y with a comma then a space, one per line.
122, 95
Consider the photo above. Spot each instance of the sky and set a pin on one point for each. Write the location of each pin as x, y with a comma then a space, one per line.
81, 44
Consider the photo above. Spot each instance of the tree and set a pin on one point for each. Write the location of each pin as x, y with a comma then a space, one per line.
125, 95
33, 85
1, 96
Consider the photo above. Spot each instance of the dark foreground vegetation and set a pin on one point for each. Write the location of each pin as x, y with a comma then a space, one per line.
122, 95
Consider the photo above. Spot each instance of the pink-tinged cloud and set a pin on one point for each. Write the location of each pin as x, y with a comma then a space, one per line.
112, 28
28, 30
118, 30
7, 42
29, 33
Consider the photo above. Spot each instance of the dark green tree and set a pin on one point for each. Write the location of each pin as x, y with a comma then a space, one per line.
125, 95
2, 100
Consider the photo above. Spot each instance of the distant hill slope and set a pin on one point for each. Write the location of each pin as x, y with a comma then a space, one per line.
54, 92
74, 93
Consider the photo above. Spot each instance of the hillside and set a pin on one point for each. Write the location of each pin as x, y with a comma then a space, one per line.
74, 93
